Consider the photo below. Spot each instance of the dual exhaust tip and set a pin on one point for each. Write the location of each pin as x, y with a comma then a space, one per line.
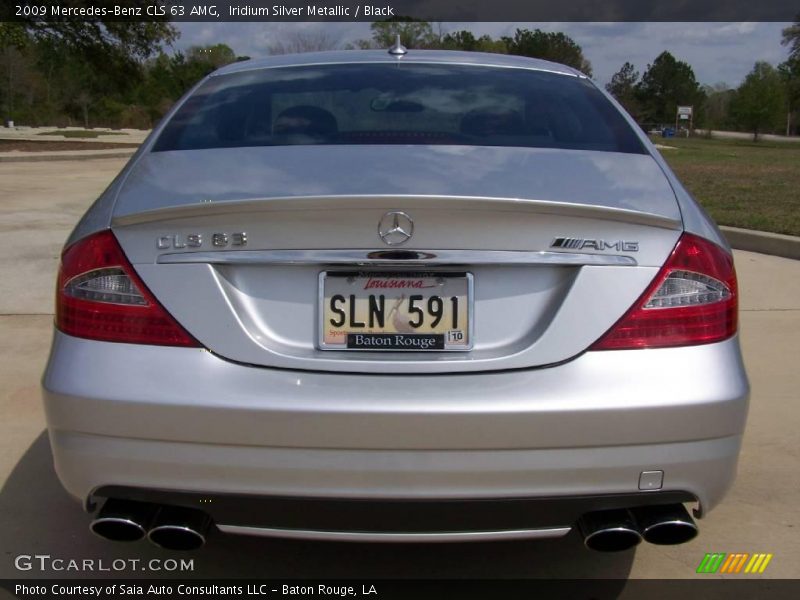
168, 527
622, 529
176, 528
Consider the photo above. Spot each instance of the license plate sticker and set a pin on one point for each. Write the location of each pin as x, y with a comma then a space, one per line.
398, 312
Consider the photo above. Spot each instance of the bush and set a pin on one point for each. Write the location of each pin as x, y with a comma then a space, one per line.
134, 117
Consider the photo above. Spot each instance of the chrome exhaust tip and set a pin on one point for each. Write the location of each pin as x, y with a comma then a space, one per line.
609, 530
123, 520
177, 528
666, 525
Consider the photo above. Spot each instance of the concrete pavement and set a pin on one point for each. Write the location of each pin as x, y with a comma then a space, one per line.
127, 136
39, 202
68, 155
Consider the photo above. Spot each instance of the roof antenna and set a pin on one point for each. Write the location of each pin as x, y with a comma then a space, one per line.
398, 49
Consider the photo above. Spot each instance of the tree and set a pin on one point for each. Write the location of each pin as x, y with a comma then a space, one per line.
92, 36
303, 41
790, 70
413, 34
183, 70
790, 76
718, 107
13, 34
212, 57
15, 79
79, 85
466, 40
623, 87
666, 84
555, 46
56, 73
791, 38
84, 100
102, 43
759, 102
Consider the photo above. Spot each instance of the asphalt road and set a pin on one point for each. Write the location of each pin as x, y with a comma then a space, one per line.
39, 202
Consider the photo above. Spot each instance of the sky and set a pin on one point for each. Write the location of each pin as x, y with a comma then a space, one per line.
718, 52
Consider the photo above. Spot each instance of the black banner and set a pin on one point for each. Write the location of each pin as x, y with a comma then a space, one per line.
376, 10
409, 589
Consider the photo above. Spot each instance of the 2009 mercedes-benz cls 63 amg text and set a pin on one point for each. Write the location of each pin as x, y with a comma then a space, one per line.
402, 296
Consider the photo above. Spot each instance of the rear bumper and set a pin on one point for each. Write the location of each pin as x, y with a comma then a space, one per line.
154, 418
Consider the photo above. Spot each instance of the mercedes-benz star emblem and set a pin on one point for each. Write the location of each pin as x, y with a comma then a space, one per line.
395, 228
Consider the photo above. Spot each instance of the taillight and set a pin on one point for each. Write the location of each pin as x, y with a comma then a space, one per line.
100, 297
692, 300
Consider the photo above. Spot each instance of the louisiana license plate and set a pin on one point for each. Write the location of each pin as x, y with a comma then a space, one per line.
377, 311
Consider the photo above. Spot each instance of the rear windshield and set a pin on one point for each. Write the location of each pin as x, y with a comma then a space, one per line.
398, 103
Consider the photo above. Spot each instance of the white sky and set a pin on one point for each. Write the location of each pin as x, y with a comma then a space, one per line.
718, 52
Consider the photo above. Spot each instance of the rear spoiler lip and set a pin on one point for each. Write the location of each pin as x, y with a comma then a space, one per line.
420, 258
303, 203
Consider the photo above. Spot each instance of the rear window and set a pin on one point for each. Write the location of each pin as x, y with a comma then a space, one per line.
398, 103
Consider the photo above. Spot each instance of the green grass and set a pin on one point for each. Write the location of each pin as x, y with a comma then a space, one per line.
741, 183
81, 133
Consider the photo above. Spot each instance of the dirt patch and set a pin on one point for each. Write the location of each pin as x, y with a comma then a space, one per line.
50, 146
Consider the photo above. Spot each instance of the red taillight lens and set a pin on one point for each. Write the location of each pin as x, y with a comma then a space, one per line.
100, 297
692, 300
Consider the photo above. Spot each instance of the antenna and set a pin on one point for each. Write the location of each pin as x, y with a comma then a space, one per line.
398, 49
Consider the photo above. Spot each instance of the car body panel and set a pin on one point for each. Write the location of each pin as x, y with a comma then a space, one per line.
259, 321
333, 197
593, 423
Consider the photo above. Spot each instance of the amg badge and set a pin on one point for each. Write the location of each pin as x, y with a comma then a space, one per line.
580, 244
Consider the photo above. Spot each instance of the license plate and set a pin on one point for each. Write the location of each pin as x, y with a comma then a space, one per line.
377, 311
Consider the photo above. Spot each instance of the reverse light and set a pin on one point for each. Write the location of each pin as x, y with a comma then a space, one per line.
692, 300
100, 297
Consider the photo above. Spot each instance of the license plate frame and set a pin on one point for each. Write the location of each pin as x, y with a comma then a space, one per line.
469, 330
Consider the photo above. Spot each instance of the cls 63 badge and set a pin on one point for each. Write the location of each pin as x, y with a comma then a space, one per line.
179, 241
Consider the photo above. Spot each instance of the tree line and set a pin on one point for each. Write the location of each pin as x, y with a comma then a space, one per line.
114, 74
767, 101
126, 74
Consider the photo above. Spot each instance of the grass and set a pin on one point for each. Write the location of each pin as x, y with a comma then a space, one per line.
81, 133
741, 183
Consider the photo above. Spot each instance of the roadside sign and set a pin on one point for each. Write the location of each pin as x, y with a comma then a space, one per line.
683, 114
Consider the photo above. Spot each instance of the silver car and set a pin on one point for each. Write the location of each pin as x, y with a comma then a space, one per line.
401, 296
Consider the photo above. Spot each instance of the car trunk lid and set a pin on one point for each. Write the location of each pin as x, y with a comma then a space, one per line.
558, 244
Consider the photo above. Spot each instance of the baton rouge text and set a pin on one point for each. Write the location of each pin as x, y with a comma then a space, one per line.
326, 590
